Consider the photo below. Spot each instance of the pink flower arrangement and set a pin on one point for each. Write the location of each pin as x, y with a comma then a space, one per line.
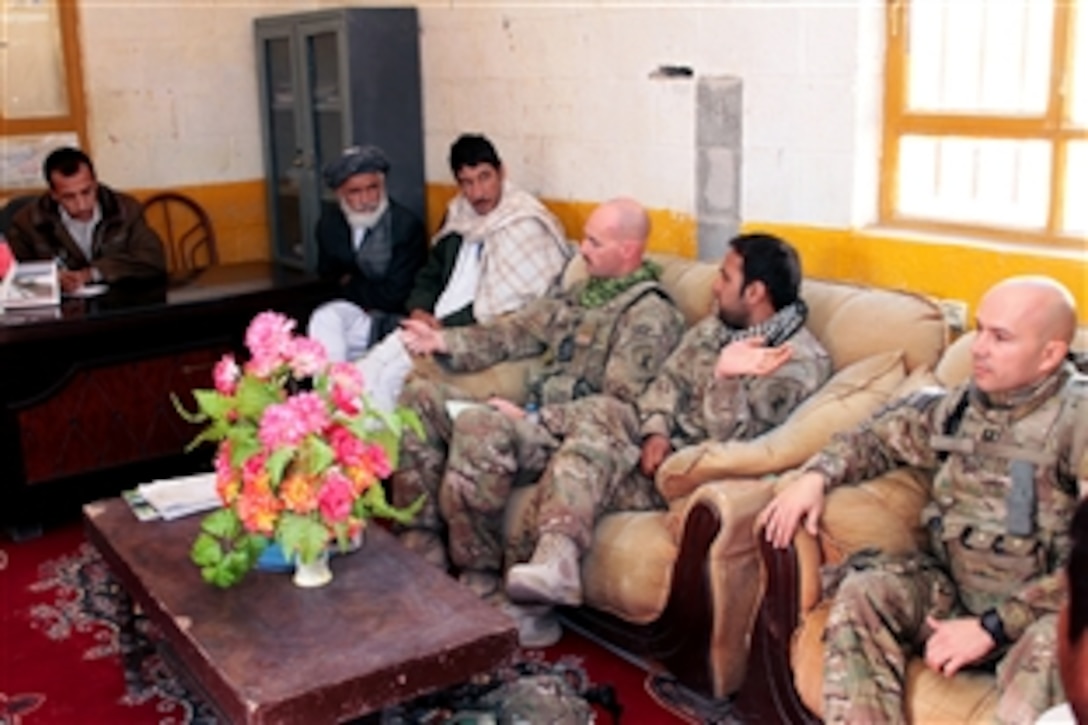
301, 453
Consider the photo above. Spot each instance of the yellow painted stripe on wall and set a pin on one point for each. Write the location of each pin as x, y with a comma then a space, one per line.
940, 269
239, 216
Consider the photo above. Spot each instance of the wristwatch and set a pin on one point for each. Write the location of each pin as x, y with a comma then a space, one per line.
991, 622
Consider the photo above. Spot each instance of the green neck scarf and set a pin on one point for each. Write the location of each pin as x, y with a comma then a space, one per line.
602, 290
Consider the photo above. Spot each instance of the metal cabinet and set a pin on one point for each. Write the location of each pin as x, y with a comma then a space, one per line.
331, 79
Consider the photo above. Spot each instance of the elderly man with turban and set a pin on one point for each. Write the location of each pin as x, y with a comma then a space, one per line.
371, 247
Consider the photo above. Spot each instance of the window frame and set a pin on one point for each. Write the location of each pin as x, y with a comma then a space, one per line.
75, 121
1051, 127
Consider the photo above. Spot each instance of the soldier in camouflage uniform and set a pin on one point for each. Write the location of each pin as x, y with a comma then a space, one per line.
608, 335
1008, 454
736, 374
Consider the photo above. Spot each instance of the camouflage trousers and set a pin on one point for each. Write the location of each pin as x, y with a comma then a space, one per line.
593, 472
877, 623
466, 466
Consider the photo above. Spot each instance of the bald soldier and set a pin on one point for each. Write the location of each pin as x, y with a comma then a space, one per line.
607, 335
1007, 456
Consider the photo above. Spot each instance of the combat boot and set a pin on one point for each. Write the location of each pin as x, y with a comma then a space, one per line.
426, 544
552, 576
538, 624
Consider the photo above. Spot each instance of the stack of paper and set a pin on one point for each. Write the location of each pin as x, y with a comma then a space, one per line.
176, 497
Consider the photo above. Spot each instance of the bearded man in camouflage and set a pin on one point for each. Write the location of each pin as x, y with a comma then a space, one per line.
736, 374
1007, 454
607, 335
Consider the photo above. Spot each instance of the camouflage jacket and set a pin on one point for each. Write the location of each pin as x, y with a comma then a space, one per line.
1006, 474
615, 348
687, 404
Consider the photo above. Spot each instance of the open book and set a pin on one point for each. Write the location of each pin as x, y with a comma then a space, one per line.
173, 498
31, 284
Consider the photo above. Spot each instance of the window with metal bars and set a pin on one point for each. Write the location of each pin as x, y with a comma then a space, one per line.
986, 119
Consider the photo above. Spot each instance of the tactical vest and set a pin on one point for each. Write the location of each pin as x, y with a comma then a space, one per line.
574, 367
1001, 508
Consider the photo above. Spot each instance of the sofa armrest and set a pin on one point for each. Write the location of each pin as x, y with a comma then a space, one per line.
769, 694
732, 570
786, 664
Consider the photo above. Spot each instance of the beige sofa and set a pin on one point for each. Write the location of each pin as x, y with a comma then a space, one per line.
884, 512
682, 586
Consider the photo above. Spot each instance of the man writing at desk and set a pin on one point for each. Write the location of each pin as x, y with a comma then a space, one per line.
95, 233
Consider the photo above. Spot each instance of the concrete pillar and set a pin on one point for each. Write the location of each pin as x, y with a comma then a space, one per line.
717, 167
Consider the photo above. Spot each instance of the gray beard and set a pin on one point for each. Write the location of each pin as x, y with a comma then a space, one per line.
364, 219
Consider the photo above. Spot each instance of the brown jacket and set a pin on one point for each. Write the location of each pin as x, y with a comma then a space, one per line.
123, 247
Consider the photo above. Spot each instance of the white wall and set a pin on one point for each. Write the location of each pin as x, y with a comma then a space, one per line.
562, 88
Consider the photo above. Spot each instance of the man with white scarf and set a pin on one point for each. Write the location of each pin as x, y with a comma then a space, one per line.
498, 249
371, 247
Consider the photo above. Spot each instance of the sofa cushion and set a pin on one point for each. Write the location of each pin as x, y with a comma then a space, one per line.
884, 512
856, 322
628, 570
848, 398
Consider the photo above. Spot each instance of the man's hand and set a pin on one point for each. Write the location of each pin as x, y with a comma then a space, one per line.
73, 279
507, 408
655, 449
956, 643
750, 357
802, 499
426, 318
421, 339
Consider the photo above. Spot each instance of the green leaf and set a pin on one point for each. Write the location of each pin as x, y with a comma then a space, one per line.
302, 535
206, 550
243, 444
253, 396
223, 577
373, 499
213, 404
197, 417
410, 419
256, 544
215, 432
318, 454
222, 523
277, 464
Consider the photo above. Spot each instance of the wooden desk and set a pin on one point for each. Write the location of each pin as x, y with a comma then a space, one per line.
85, 387
389, 627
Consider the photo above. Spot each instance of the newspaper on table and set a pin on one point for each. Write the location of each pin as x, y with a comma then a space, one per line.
173, 498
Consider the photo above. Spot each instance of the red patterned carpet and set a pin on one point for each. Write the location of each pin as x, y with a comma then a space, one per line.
60, 659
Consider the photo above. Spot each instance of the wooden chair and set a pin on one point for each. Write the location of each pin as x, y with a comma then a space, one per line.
185, 229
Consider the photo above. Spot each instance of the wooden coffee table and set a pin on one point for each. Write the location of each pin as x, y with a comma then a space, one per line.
388, 628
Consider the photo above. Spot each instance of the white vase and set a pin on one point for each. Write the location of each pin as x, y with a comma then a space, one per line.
313, 574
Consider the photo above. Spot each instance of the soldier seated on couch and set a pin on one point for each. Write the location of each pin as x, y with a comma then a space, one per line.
1007, 454
736, 374
608, 335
